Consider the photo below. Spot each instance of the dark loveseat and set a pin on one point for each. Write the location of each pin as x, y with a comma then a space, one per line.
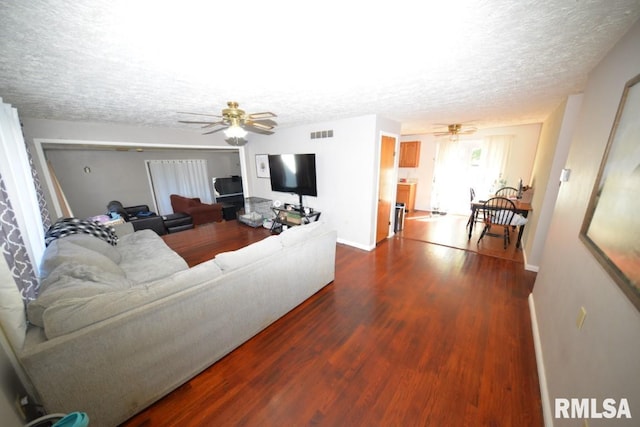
201, 213
139, 216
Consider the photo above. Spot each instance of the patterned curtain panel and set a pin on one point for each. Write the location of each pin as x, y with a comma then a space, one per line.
14, 249
42, 202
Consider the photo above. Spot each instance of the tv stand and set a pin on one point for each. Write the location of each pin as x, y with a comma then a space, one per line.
291, 216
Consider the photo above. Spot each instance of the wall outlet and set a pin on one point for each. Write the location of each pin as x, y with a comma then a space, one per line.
581, 316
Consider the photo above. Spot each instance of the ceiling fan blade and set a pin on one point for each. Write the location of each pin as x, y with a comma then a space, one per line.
263, 115
250, 128
218, 123
215, 130
199, 114
192, 122
258, 124
264, 122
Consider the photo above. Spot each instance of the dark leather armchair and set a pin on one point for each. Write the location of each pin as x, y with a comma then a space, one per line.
201, 213
139, 216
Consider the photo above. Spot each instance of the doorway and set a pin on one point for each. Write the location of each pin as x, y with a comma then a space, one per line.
94, 172
386, 183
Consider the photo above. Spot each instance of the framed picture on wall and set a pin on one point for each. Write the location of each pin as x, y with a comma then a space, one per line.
611, 224
262, 166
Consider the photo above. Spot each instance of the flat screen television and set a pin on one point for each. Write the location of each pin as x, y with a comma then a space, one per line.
293, 173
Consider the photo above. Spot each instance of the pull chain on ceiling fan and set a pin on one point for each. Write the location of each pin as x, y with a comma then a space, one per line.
236, 123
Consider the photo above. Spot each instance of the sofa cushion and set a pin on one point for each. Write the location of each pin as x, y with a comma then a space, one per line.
95, 244
70, 281
295, 235
65, 251
146, 257
229, 261
123, 229
68, 315
71, 269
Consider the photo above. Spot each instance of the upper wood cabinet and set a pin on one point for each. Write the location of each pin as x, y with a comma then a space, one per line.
409, 154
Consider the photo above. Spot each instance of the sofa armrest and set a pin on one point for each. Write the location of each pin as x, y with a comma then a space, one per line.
154, 223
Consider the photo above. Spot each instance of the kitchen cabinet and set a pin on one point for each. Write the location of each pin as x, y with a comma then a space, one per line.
409, 154
406, 193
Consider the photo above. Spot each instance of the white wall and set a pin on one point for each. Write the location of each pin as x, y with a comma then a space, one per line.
347, 168
601, 359
551, 156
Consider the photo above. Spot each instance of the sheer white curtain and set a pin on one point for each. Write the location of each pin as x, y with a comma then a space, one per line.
187, 178
450, 178
497, 149
463, 164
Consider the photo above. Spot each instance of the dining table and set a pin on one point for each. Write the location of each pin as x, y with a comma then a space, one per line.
522, 208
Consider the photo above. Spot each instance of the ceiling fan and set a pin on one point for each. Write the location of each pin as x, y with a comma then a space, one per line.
236, 123
455, 130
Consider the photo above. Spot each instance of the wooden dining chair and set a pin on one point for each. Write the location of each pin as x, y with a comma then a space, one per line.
507, 192
477, 216
498, 214
472, 195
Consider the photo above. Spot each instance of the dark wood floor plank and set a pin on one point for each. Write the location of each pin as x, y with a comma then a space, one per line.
411, 333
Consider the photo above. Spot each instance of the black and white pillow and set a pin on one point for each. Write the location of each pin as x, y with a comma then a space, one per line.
67, 226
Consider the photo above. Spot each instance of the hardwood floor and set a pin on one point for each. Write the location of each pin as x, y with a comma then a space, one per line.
451, 230
205, 241
410, 334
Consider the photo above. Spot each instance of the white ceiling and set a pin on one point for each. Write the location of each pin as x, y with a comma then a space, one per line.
493, 62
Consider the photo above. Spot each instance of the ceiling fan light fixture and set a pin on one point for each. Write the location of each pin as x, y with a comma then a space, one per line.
236, 141
235, 135
235, 131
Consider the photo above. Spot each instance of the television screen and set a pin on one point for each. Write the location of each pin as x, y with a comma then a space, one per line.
228, 185
293, 173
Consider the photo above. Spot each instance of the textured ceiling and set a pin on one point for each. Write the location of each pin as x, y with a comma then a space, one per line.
493, 62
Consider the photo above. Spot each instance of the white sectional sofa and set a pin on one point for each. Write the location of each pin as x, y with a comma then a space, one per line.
115, 328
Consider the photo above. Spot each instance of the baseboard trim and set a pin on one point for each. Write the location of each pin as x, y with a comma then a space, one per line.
542, 378
527, 266
356, 245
